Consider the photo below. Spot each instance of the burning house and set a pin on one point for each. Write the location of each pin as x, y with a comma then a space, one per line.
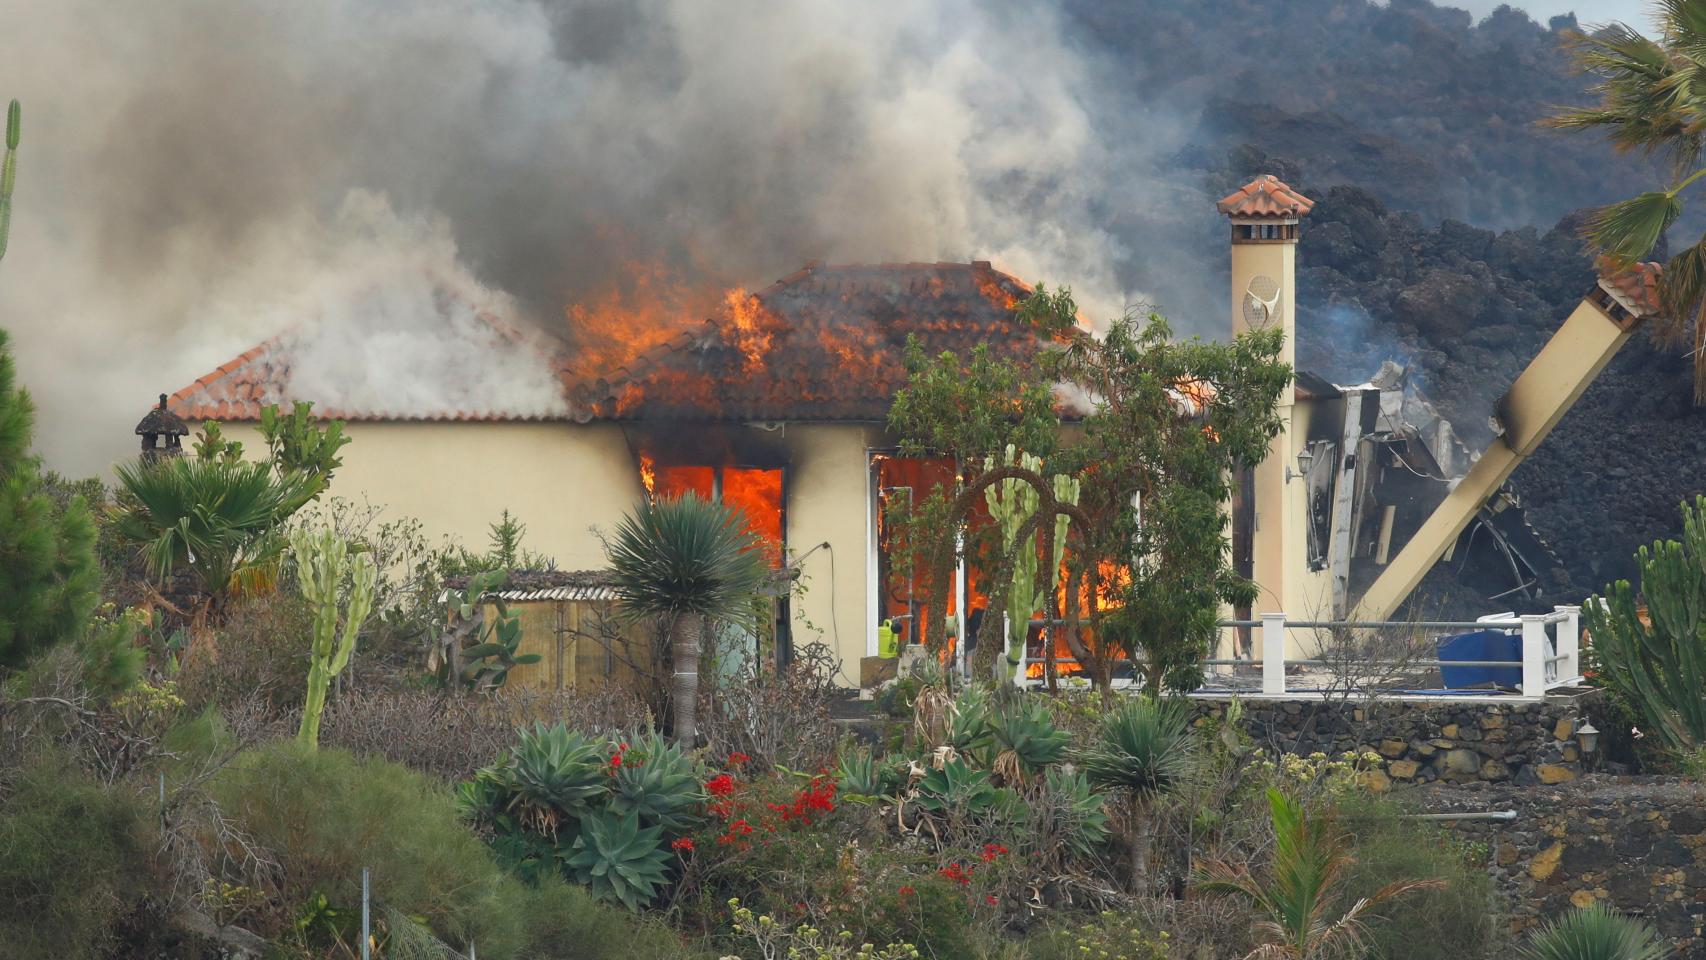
777, 403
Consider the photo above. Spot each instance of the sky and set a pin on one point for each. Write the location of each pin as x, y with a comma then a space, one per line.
1632, 12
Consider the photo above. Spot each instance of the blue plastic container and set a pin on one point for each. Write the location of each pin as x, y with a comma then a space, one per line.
1481, 645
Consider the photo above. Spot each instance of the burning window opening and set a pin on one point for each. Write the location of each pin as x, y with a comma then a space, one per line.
754, 492
902, 484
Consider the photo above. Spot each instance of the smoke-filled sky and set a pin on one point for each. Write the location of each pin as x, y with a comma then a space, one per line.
196, 175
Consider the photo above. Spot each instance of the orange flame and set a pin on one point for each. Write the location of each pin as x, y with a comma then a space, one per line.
749, 325
649, 475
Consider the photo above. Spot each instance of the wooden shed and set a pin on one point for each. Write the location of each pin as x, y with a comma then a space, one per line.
568, 618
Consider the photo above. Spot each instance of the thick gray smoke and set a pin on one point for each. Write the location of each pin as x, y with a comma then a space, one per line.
194, 175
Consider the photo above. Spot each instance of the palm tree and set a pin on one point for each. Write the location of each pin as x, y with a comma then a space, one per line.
687, 561
1652, 98
1310, 857
219, 519
1595, 933
1146, 748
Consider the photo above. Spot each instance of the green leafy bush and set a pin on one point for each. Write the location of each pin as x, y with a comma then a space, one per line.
1110, 936
563, 920
325, 815
1450, 921
75, 860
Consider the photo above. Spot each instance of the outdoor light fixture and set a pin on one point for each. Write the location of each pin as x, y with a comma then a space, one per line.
1588, 737
1304, 459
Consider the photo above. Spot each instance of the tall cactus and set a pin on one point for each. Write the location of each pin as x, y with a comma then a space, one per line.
9, 172
322, 560
1657, 663
1011, 502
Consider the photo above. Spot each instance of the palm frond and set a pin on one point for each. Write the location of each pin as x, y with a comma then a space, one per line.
1629, 229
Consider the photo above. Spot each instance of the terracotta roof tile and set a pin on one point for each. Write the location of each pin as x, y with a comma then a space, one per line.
1265, 196
1636, 285
823, 343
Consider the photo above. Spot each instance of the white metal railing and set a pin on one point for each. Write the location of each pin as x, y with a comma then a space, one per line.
1550, 650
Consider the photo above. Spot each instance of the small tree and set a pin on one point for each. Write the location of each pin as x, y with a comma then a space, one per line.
48, 574
298, 444
1654, 659
323, 564
1298, 897
1163, 427
1651, 100
1146, 749
686, 560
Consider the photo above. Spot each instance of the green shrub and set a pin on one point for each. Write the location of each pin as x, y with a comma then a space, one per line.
325, 815
262, 656
75, 859
1111, 936
563, 920
1448, 922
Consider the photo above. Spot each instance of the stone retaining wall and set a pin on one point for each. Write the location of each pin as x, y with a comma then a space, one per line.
1636, 844
1422, 742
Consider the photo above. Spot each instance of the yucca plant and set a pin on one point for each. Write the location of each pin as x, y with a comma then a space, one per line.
553, 775
1657, 663
660, 783
219, 520
1081, 813
1595, 933
1146, 749
619, 859
686, 560
1297, 900
1027, 738
1652, 99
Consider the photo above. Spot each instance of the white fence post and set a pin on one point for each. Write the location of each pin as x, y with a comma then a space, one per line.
1533, 655
1570, 643
1273, 654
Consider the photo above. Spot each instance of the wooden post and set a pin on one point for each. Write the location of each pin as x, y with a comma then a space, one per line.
1273, 654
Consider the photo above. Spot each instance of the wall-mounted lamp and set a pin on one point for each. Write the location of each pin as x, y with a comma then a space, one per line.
1587, 737
1304, 459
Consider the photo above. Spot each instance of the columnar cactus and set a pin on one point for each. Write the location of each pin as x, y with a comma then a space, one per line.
322, 560
1011, 503
1655, 659
8, 172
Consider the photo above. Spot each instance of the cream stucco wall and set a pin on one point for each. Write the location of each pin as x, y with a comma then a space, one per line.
563, 479
828, 484
456, 478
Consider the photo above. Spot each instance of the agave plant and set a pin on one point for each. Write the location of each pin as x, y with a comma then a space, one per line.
1595, 933
553, 775
857, 774
955, 787
1146, 749
968, 723
686, 560
660, 783
1296, 899
1081, 816
1028, 739
619, 859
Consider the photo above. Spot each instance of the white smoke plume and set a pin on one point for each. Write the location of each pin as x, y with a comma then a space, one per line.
198, 174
